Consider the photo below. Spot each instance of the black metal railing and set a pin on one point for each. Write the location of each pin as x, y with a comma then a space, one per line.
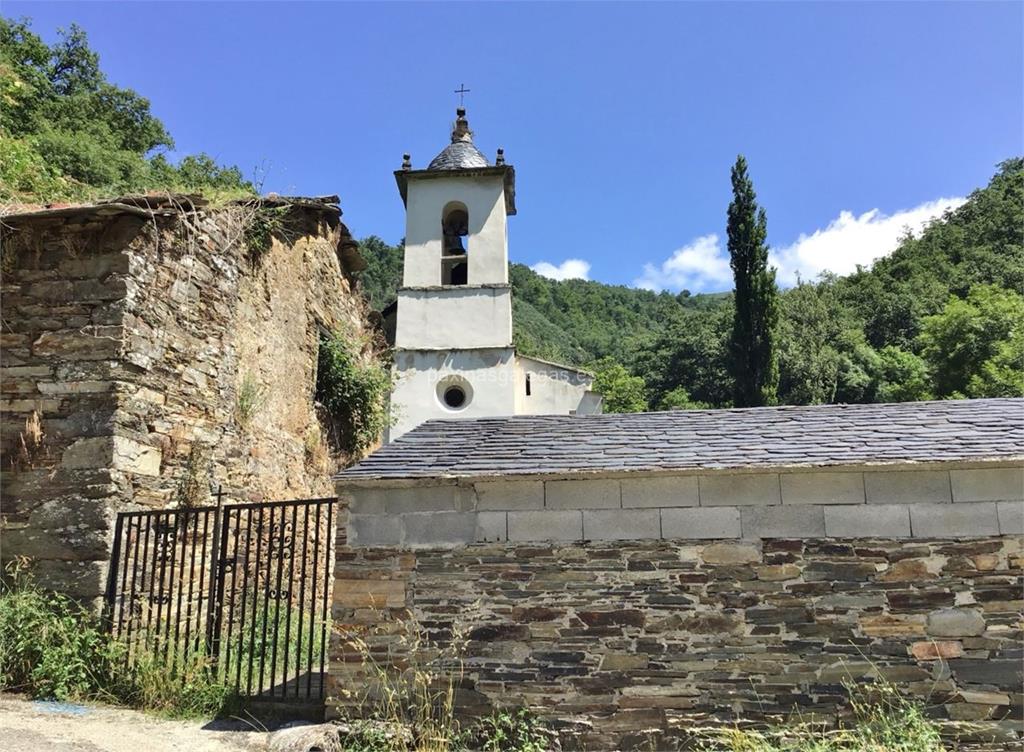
244, 588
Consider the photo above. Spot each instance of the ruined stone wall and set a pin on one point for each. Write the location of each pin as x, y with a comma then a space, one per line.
64, 285
615, 639
136, 341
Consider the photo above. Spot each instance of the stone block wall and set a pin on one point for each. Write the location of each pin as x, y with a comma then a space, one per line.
891, 501
631, 609
130, 334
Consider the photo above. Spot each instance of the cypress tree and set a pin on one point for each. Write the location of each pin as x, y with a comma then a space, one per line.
753, 361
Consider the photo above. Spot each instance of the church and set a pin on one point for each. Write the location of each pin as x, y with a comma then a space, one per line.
453, 345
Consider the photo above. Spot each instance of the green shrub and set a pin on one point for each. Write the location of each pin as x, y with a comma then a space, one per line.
51, 647
353, 386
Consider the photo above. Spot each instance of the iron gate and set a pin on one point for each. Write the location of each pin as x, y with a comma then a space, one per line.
242, 588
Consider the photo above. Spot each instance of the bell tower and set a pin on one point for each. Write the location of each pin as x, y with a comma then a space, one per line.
453, 332
454, 316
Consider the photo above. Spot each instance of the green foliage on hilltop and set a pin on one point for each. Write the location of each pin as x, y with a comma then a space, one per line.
69, 134
941, 317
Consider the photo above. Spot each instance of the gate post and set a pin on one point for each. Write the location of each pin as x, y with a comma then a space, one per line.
107, 616
217, 553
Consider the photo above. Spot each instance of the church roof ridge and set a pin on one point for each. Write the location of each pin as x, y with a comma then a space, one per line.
687, 440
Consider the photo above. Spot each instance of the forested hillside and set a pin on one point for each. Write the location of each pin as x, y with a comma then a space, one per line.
575, 321
942, 316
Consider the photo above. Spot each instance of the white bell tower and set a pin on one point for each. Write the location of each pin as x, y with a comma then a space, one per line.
453, 337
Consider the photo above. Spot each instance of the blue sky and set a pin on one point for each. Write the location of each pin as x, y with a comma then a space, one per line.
622, 120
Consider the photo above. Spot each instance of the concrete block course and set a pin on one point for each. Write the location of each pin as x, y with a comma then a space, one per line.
954, 520
721, 522
374, 530
429, 499
822, 488
736, 490
863, 520
800, 521
988, 484
491, 527
907, 487
510, 495
439, 528
545, 525
418, 499
621, 524
582, 494
673, 491
1011, 517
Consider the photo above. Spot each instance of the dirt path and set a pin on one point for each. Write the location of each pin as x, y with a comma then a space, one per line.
34, 726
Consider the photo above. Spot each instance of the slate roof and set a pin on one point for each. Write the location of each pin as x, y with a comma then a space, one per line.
458, 155
821, 435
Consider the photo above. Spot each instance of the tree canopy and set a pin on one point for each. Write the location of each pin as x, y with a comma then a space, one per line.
753, 361
70, 134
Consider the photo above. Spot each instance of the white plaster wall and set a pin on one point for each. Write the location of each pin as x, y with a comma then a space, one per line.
553, 390
454, 317
487, 242
490, 373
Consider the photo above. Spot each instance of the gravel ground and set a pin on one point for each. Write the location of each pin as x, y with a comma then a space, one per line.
35, 726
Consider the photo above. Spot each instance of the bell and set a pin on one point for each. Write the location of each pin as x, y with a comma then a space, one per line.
453, 244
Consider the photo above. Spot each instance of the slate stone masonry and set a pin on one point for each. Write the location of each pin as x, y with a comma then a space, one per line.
629, 607
628, 644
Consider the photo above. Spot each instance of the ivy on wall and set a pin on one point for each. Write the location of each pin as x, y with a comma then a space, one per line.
353, 390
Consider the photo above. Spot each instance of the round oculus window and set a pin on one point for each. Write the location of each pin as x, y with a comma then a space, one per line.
454, 397
454, 393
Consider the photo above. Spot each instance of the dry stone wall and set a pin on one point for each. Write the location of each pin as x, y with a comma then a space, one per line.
625, 611
133, 336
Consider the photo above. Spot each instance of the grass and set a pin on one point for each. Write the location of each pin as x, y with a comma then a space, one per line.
408, 702
277, 637
883, 720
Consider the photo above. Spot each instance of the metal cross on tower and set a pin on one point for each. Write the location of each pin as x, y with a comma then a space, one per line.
461, 91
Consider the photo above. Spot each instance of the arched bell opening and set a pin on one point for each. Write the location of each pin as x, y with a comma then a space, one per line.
455, 242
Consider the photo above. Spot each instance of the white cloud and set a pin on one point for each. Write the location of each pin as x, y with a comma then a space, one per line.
850, 240
568, 269
701, 265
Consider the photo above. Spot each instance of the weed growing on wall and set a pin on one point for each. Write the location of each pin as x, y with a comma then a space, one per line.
251, 397
264, 224
416, 692
352, 385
